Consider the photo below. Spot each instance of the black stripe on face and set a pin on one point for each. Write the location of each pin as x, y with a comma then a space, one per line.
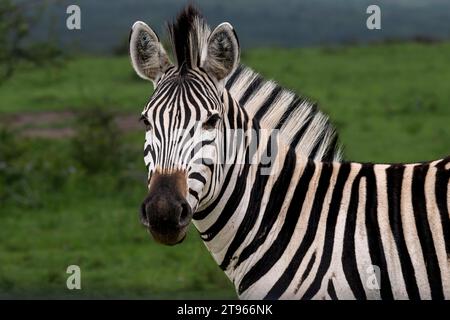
271, 256
273, 207
194, 194
197, 176
190, 96
186, 97
285, 280
209, 93
195, 90
424, 232
148, 149
333, 212
162, 95
173, 113
252, 212
206, 78
441, 190
212, 185
394, 179
251, 90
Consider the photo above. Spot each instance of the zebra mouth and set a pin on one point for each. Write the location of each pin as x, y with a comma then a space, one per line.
168, 237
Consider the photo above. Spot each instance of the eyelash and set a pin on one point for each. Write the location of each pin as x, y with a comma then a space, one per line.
147, 124
211, 122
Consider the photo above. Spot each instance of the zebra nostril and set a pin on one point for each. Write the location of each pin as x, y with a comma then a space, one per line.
185, 214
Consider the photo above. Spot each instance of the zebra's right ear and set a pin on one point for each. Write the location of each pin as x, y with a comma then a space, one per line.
148, 57
222, 52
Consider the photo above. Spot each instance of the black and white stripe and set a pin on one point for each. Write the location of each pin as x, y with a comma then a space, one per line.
312, 230
299, 121
307, 226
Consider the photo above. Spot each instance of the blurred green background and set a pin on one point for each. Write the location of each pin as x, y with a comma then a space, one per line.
71, 168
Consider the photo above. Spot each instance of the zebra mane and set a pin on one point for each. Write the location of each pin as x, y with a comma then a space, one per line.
301, 124
188, 36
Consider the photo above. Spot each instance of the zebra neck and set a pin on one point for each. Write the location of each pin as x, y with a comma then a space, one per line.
243, 203
236, 169
258, 214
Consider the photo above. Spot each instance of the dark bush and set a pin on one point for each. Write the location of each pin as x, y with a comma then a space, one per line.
11, 177
97, 146
28, 175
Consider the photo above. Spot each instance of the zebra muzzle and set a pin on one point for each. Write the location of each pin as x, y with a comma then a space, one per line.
165, 212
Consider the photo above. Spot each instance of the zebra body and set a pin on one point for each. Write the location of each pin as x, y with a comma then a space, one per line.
304, 225
314, 230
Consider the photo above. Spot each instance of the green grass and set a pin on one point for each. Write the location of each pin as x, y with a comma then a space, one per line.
390, 103
80, 83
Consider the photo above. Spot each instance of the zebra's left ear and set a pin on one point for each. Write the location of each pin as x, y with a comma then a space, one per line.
222, 55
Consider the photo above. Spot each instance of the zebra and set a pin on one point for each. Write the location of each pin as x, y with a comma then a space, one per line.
304, 225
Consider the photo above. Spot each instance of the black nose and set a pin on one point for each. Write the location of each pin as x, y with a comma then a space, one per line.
166, 213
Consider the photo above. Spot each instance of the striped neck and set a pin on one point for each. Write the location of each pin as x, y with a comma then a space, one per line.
261, 157
238, 127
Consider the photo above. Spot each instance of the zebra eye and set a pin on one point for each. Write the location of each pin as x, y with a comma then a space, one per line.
211, 122
147, 124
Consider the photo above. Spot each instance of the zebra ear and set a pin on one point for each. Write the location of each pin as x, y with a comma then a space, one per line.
222, 55
148, 57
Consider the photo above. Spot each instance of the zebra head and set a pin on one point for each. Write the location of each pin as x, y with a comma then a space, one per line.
185, 119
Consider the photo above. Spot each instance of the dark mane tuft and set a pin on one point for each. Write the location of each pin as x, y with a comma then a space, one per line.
184, 37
